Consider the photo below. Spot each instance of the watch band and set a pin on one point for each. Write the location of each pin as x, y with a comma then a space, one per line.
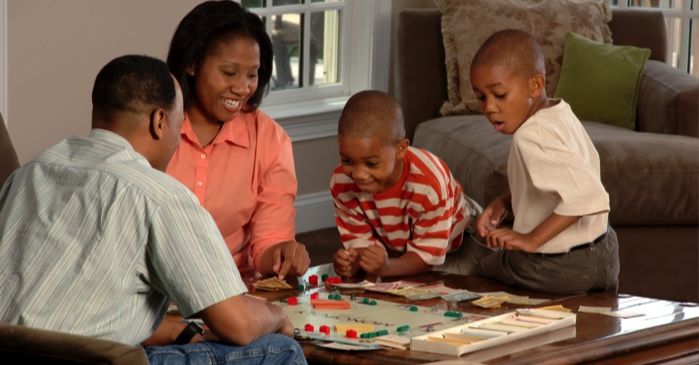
188, 333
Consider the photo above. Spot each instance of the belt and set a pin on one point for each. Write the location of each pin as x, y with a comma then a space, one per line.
579, 247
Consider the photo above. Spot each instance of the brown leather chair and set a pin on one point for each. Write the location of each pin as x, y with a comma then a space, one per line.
8, 156
24, 345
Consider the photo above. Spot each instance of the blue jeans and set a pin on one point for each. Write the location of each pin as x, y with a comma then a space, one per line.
269, 349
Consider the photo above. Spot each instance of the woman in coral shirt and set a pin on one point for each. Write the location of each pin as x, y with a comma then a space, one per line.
235, 158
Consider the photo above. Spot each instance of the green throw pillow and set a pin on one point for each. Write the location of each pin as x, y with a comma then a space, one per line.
600, 81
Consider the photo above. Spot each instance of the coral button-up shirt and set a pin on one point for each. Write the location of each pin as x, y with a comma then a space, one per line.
246, 179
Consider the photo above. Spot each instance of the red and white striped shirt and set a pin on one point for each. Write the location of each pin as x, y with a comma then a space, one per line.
426, 211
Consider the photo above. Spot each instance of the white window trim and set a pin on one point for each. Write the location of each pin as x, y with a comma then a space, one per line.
684, 15
366, 40
3, 61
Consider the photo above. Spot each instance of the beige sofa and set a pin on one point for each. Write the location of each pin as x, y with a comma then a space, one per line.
652, 174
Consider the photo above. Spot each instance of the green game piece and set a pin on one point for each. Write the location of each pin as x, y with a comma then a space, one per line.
301, 287
364, 335
373, 302
381, 333
365, 301
403, 328
324, 277
453, 314
413, 308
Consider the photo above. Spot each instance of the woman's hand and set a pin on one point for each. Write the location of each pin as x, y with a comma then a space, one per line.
289, 258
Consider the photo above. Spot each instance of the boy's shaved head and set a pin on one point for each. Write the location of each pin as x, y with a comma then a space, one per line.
513, 48
372, 113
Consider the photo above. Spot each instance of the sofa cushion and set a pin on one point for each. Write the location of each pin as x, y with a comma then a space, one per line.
651, 178
600, 81
466, 24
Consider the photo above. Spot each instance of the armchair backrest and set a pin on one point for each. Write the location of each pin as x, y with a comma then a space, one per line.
420, 80
8, 156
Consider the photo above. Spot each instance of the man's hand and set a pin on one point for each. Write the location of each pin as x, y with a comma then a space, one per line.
287, 328
346, 262
289, 258
374, 259
511, 240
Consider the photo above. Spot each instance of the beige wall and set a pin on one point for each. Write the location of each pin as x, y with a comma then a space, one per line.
315, 160
56, 48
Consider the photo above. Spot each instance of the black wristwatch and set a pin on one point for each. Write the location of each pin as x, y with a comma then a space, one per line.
188, 332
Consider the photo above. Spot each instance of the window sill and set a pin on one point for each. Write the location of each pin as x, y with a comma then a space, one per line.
309, 119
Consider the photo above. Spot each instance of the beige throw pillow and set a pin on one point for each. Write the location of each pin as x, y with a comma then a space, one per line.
466, 24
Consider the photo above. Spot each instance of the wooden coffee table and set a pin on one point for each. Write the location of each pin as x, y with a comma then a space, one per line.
668, 331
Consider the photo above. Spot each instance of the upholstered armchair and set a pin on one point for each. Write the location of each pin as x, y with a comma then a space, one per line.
8, 156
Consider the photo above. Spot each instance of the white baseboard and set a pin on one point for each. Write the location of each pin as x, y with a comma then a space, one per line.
314, 211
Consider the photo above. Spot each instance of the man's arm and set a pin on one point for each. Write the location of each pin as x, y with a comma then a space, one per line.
242, 319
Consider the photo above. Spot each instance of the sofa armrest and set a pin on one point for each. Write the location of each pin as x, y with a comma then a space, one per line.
25, 345
668, 101
421, 75
641, 28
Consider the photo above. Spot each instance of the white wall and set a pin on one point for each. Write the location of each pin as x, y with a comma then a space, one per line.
56, 48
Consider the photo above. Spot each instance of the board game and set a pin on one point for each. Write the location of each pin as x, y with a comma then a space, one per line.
365, 321
492, 331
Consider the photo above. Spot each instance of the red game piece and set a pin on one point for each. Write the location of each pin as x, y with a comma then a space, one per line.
315, 295
334, 280
313, 280
324, 329
351, 333
292, 301
308, 327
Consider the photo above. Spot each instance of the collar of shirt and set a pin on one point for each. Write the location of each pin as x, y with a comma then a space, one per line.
235, 131
117, 141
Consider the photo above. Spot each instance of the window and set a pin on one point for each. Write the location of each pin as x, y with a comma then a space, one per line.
682, 22
324, 50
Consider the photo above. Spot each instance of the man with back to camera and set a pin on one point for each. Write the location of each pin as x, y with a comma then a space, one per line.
95, 241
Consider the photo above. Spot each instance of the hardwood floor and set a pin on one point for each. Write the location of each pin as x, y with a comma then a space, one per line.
321, 244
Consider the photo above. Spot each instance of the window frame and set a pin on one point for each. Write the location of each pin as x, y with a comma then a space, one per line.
364, 54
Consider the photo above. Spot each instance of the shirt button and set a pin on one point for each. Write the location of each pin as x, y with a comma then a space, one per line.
203, 156
199, 183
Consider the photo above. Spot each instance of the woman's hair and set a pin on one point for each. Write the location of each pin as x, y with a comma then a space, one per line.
205, 27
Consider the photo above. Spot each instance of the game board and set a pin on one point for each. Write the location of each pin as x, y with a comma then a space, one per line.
369, 318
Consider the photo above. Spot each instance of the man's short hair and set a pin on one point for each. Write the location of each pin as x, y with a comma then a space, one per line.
132, 83
372, 113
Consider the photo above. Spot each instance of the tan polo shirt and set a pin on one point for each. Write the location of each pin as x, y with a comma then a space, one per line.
554, 167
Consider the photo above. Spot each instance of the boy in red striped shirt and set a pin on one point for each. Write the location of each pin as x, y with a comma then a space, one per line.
398, 209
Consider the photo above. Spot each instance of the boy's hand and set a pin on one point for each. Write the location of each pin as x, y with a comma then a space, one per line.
491, 217
374, 259
511, 240
346, 262
290, 257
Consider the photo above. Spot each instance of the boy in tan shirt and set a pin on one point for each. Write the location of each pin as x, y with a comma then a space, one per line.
561, 240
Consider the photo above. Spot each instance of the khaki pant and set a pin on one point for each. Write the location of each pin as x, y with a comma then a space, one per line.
595, 267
